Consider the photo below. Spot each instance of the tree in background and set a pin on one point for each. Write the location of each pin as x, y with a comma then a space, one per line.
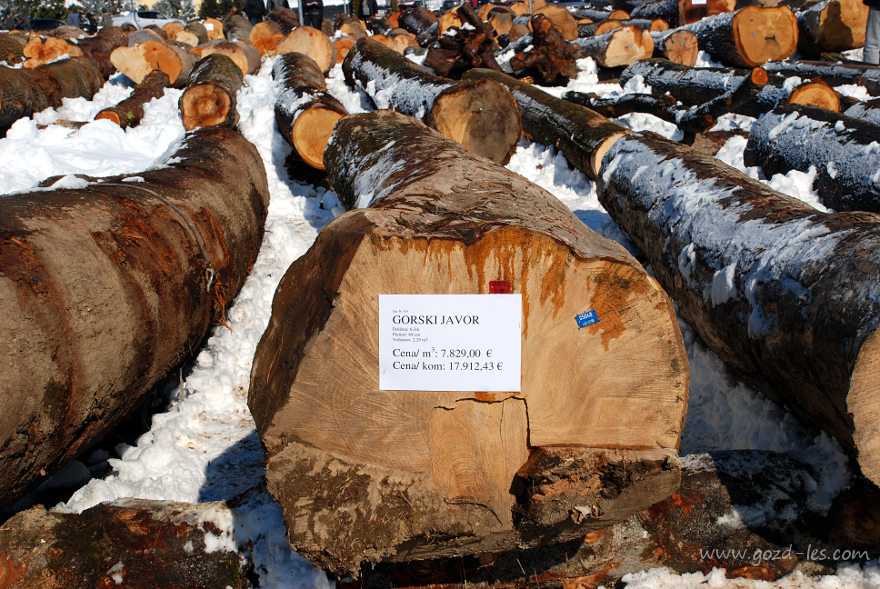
182, 9
217, 8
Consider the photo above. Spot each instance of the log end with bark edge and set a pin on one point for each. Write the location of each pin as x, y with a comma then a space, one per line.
130, 111
210, 98
431, 473
312, 42
763, 34
816, 93
679, 46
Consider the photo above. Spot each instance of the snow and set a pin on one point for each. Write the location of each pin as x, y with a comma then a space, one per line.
204, 447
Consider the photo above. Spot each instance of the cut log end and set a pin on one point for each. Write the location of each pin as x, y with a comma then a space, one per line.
311, 133
863, 403
110, 115
629, 44
763, 34
816, 93
160, 57
204, 105
481, 115
601, 150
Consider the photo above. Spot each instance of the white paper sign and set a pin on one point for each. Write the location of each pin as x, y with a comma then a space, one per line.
698, 2
450, 342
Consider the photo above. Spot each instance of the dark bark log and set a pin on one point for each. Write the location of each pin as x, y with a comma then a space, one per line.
304, 111
831, 26
237, 27
416, 20
785, 295
841, 148
101, 46
482, 117
26, 91
161, 258
677, 45
666, 10
133, 543
551, 61
447, 221
618, 48
869, 110
581, 134
130, 111
832, 73
452, 55
561, 19
210, 98
748, 37
199, 30
11, 49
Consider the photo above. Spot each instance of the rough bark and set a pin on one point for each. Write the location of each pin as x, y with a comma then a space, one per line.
101, 46
130, 111
841, 148
108, 288
869, 110
483, 117
132, 543
304, 111
551, 59
26, 91
286, 18
620, 47
432, 474
785, 295
236, 27
581, 134
210, 97
832, 73
474, 46
831, 26
748, 37
416, 20
666, 10
11, 47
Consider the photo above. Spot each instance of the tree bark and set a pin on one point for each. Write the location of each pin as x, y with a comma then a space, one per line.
11, 47
868, 110
552, 60
134, 543
470, 47
101, 46
108, 288
618, 48
245, 55
416, 20
677, 45
785, 295
831, 26
130, 111
210, 98
748, 37
581, 134
841, 148
286, 18
306, 114
432, 474
236, 27
666, 10
832, 73
24, 92
482, 117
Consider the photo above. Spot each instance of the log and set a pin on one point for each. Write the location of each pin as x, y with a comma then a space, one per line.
748, 37
236, 27
100, 47
199, 30
482, 117
416, 20
130, 111
711, 142
562, 18
305, 113
264, 36
469, 47
581, 134
210, 97
170, 57
311, 42
343, 45
785, 295
832, 73
172, 28
214, 29
552, 60
40, 51
11, 47
831, 26
434, 473
677, 45
869, 110
355, 28
285, 18
691, 12
245, 55
841, 148
816, 93
24, 92
161, 257
131, 542
666, 10
620, 47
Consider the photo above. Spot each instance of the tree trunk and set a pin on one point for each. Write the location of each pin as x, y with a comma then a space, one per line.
677, 45
748, 37
841, 148
551, 61
831, 26
470, 47
100, 47
562, 19
245, 55
210, 98
416, 20
40, 51
132, 543
868, 110
787, 296
366, 474
170, 57
214, 29
666, 10
581, 134
832, 73
130, 111
24, 92
312, 42
108, 288
237, 27
482, 117
11, 49
286, 18
306, 114
264, 37
620, 47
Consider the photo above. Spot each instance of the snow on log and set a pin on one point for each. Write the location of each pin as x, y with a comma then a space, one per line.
581, 134
129, 112
366, 474
748, 37
620, 47
304, 111
481, 116
868, 110
109, 287
210, 98
135, 543
786, 296
831, 26
842, 149
832, 73
24, 92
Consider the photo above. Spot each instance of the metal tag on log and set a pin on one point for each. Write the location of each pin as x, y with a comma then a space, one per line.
450, 342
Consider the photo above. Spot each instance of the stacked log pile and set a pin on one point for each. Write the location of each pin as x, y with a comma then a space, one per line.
365, 474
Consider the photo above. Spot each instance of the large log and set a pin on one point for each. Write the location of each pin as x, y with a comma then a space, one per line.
304, 111
210, 97
107, 288
365, 474
311, 42
483, 117
100, 47
581, 134
137, 61
245, 55
620, 47
24, 92
677, 45
831, 26
748, 37
833, 73
786, 296
129, 112
868, 110
841, 148
551, 60
11, 47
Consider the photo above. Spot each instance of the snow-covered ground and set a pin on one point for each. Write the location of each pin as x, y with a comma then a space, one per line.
204, 446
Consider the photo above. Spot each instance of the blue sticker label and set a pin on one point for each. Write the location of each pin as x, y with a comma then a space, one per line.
587, 318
